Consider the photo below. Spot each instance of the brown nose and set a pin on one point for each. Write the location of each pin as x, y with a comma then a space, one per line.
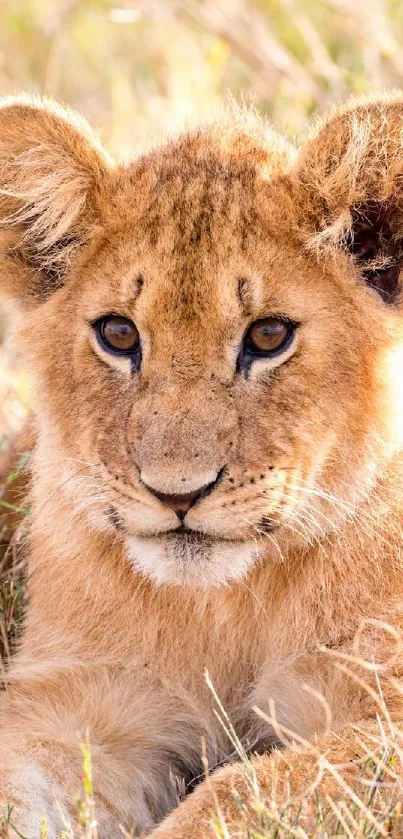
180, 504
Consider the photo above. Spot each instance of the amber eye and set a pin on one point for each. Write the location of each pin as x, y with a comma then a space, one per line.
268, 336
117, 334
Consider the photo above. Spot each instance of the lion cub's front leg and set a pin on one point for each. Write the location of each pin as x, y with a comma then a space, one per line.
41, 763
30, 793
288, 788
45, 785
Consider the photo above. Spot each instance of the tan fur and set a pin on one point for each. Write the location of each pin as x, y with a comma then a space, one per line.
195, 241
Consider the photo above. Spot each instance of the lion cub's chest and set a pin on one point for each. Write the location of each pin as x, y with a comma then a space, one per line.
228, 658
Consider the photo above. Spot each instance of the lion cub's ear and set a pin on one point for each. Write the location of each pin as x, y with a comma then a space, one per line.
52, 175
350, 182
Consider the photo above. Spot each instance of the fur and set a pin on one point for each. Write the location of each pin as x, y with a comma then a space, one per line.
299, 545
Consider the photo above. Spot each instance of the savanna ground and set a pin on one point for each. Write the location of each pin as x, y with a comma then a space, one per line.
139, 68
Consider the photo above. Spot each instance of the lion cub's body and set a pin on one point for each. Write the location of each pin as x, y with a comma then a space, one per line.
298, 539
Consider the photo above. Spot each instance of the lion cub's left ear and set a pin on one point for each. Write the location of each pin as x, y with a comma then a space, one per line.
350, 188
53, 173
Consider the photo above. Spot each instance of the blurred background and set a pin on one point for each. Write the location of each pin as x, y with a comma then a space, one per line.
137, 68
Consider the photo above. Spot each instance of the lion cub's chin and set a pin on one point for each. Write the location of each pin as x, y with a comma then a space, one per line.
194, 561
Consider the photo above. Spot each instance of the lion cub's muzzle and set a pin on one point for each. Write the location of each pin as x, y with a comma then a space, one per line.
180, 543
181, 503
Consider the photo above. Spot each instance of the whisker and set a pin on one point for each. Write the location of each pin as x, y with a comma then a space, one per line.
308, 535
310, 518
58, 489
321, 494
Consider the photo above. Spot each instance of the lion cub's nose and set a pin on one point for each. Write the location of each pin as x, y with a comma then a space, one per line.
180, 504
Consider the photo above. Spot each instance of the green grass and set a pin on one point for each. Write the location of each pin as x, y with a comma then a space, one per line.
12, 566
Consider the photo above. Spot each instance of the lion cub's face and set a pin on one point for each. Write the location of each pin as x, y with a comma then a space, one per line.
214, 387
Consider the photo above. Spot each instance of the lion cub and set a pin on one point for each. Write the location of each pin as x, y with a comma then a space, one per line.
216, 339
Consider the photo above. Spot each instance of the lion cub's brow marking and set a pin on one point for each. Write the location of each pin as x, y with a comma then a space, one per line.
132, 287
244, 295
138, 286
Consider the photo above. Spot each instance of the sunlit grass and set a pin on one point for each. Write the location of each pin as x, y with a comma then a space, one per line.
373, 809
139, 67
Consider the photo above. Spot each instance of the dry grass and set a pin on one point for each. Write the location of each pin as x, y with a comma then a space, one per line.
375, 811
137, 67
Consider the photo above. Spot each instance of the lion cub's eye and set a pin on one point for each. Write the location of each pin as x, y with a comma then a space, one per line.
117, 334
268, 336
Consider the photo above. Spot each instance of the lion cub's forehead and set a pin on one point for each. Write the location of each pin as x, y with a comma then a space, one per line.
194, 219
204, 190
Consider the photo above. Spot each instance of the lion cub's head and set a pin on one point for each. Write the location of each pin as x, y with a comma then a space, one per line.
214, 329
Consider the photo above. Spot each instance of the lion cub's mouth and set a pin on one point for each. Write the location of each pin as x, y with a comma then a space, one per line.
194, 558
183, 530
186, 536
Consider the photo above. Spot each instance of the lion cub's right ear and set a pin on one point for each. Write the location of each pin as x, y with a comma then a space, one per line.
349, 180
53, 173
